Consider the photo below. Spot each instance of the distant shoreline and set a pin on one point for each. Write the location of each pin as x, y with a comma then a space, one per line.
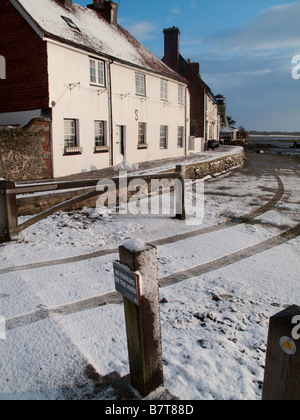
274, 144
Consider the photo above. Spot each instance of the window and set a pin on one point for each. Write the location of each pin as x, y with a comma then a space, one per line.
71, 23
100, 137
164, 90
163, 137
180, 95
180, 134
71, 139
140, 84
70, 133
97, 72
142, 140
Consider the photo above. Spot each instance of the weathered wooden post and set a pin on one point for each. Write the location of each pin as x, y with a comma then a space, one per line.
180, 193
282, 374
8, 210
137, 279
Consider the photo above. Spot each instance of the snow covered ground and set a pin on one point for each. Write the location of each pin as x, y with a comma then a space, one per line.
214, 326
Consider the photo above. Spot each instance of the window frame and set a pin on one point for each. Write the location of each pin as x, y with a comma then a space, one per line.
71, 138
163, 139
181, 99
180, 137
164, 90
97, 78
142, 135
100, 140
138, 84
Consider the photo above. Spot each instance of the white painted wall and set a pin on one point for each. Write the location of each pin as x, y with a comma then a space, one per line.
212, 120
82, 102
87, 103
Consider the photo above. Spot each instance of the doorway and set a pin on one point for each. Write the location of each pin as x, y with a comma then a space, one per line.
120, 139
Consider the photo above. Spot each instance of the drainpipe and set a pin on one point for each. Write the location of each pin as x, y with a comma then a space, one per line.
185, 123
205, 121
110, 115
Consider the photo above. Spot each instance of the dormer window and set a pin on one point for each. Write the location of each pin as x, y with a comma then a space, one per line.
71, 23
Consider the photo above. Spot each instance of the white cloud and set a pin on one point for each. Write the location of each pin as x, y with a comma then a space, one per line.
176, 11
276, 27
143, 30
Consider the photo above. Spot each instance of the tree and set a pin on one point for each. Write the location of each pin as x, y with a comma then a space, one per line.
231, 121
243, 133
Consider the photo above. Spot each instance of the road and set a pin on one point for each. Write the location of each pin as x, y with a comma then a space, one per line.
251, 225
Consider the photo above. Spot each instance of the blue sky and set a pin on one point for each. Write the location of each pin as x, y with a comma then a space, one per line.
245, 49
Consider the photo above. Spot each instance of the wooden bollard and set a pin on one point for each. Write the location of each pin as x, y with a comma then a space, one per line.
180, 193
142, 314
8, 210
282, 374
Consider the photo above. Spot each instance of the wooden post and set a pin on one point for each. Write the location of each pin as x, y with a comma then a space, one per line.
180, 193
282, 374
8, 210
143, 321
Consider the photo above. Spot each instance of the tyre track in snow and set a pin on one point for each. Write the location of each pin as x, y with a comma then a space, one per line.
116, 298
248, 217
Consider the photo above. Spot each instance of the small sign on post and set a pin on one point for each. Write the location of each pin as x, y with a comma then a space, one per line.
127, 283
138, 282
282, 374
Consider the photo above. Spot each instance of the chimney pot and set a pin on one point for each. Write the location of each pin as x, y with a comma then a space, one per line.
67, 3
108, 9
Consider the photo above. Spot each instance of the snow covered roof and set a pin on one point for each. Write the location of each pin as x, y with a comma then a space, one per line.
95, 34
226, 130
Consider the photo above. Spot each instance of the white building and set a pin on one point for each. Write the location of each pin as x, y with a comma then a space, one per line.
109, 98
212, 117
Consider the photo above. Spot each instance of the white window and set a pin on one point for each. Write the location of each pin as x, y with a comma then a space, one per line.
164, 96
71, 139
180, 94
180, 134
163, 144
140, 84
142, 141
97, 72
100, 138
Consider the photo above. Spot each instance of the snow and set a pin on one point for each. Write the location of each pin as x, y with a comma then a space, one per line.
214, 326
95, 33
135, 245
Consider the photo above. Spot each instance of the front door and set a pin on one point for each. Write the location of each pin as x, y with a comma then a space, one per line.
120, 144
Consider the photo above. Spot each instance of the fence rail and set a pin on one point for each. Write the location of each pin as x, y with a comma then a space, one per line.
9, 191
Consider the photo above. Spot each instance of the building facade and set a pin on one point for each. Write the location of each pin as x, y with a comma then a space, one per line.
204, 117
109, 99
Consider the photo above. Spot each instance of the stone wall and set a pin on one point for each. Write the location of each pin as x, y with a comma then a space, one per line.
217, 166
25, 152
38, 203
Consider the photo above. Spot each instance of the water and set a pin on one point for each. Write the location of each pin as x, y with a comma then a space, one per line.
278, 144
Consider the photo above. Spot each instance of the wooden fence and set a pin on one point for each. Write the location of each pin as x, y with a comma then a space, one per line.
9, 191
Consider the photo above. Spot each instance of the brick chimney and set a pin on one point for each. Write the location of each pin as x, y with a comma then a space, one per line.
196, 68
108, 9
66, 3
171, 58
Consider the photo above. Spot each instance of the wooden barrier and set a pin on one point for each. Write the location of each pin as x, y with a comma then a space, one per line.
282, 374
9, 191
8, 211
142, 314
